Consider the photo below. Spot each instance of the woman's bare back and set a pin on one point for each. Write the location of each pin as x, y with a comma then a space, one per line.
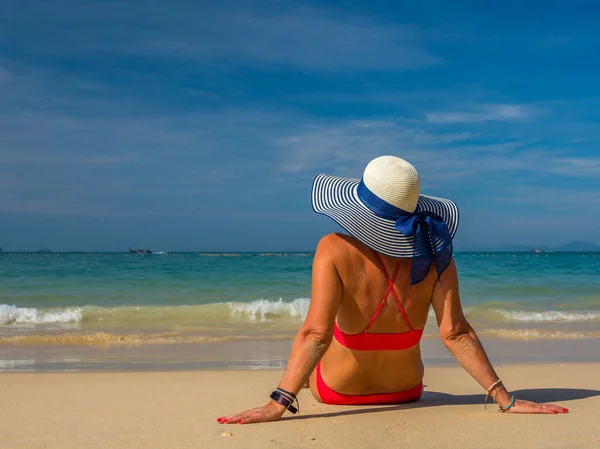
364, 286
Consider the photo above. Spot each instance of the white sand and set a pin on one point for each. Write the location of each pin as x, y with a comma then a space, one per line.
179, 410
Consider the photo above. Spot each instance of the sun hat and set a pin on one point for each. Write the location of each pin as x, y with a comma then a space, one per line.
385, 211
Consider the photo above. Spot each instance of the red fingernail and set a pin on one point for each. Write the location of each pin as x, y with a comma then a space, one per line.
565, 410
225, 420
219, 420
240, 421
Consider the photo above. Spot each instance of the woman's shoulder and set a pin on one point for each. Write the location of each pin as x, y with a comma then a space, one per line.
338, 245
335, 239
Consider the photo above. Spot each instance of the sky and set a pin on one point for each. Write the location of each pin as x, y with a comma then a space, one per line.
195, 125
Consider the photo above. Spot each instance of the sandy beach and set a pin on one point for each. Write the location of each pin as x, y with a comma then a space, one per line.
178, 410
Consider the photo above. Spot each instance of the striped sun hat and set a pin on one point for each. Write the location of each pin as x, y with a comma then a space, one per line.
385, 211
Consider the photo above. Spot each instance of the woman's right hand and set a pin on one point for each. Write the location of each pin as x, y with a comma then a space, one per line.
533, 407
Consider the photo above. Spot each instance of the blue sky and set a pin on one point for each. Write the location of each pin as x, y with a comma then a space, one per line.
200, 125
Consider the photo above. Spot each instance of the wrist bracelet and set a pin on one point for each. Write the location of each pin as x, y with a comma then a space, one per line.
498, 383
285, 401
512, 402
281, 390
286, 394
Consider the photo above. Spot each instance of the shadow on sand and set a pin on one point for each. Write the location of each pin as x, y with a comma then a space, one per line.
435, 398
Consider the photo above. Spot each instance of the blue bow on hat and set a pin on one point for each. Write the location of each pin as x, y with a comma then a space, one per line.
432, 238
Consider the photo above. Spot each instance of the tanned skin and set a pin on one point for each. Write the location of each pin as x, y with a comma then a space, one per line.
347, 285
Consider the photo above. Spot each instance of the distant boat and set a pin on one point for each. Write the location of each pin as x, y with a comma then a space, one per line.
139, 251
535, 250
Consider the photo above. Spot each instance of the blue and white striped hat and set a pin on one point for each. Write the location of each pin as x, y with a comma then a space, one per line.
385, 211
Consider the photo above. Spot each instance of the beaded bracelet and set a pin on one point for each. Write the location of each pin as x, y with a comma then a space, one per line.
512, 402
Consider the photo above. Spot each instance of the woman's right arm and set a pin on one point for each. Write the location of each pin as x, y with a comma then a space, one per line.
462, 341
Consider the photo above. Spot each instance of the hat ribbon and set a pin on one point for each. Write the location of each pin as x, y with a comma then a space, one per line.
432, 238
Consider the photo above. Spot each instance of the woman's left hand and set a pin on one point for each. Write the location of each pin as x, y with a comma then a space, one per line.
266, 413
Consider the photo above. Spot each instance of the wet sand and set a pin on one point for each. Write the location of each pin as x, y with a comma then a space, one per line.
260, 354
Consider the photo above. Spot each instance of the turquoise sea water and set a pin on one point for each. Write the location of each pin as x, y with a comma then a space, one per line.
123, 300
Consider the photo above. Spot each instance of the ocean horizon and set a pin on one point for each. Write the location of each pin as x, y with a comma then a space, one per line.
270, 251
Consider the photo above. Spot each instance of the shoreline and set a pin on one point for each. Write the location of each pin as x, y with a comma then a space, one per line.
261, 355
179, 409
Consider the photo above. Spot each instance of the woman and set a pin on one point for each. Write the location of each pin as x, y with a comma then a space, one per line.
371, 293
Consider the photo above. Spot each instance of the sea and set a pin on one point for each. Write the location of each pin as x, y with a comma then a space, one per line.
178, 311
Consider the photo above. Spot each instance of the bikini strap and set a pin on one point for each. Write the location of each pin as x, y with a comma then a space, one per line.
387, 292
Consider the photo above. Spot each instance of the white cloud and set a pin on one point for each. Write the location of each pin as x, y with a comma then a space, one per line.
94, 165
342, 145
305, 40
484, 113
348, 146
579, 167
344, 148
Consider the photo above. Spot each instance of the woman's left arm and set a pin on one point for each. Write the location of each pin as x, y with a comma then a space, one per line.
462, 341
312, 340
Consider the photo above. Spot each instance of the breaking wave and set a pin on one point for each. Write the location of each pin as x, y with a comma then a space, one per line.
287, 313
262, 309
30, 315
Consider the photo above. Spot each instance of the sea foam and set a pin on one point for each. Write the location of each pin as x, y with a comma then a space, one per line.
29, 315
260, 309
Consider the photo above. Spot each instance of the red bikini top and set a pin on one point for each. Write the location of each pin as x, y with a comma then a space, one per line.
366, 341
